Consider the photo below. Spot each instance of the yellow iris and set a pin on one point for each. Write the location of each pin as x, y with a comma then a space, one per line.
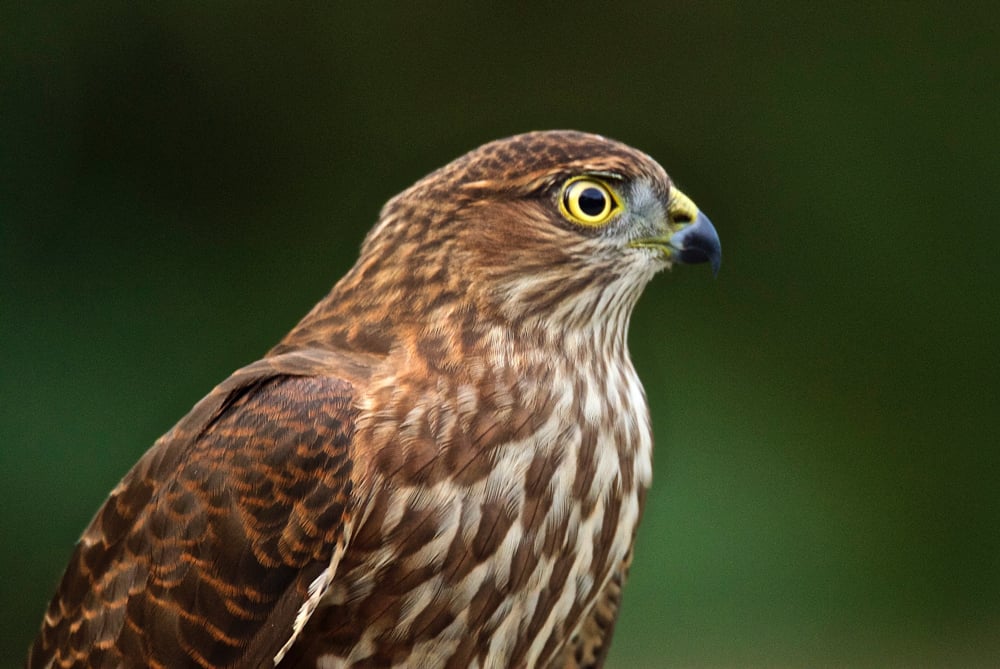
587, 201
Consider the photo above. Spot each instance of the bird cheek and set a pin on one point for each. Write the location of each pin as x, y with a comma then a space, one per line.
646, 228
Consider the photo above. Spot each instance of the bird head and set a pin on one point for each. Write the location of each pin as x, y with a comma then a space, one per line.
551, 228
557, 184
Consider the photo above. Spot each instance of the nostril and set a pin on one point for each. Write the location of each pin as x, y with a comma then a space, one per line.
682, 218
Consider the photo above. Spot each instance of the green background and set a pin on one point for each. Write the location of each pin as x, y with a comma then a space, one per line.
179, 183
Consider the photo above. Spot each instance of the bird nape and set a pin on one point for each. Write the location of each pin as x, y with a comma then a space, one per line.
443, 464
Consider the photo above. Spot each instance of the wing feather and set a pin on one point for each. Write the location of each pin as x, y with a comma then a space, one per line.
215, 547
588, 647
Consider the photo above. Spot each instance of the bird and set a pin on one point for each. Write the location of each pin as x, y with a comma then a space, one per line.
443, 464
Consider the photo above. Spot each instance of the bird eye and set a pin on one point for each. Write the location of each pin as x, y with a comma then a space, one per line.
588, 201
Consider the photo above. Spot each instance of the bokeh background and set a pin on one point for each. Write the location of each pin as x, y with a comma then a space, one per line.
180, 182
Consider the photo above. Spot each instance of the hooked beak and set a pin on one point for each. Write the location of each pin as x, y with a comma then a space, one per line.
690, 237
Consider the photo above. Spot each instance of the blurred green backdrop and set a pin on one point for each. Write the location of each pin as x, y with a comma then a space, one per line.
180, 182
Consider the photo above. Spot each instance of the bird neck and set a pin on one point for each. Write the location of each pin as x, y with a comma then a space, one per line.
461, 320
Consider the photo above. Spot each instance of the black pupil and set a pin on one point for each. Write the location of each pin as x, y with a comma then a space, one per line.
592, 201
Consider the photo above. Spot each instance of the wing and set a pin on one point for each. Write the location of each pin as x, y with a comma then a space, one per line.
588, 647
215, 548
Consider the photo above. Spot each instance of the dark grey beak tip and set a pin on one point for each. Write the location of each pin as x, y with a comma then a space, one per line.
694, 255
698, 243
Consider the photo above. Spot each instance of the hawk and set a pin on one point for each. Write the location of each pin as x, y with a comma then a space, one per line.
442, 465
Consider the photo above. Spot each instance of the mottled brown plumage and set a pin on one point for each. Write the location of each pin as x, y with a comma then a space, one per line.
443, 464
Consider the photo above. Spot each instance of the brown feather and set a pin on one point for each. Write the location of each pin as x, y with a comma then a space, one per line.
442, 464
205, 551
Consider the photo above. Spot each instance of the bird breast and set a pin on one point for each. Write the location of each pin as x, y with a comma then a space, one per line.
508, 527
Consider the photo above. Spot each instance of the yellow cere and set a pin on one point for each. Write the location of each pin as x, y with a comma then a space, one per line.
588, 201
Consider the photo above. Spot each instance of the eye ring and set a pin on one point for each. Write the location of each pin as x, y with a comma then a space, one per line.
588, 201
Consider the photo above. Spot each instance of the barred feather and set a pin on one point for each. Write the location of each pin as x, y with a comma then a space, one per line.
443, 464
